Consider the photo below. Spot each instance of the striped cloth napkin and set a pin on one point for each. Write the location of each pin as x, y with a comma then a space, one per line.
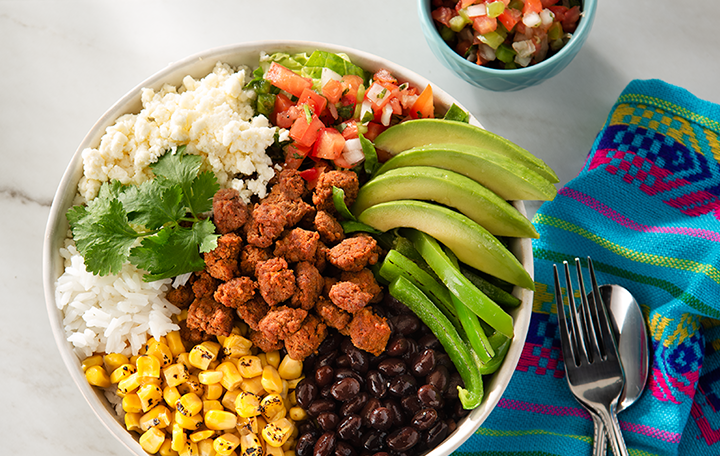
646, 208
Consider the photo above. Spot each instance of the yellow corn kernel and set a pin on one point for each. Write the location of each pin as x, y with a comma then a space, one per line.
133, 359
162, 352
131, 403
182, 315
202, 354
191, 423
277, 432
213, 391
297, 414
176, 374
171, 395
292, 384
202, 434
178, 437
250, 445
205, 448
148, 366
192, 385
210, 377
150, 395
228, 400
166, 449
247, 404
211, 405
289, 368
247, 424
189, 449
114, 360
271, 405
231, 378
184, 359
175, 343
289, 453
236, 345
273, 451
95, 360
220, 420
158, 417
291, 399
271, 381
249, 366
121, 372
150, 381
226, 444
152, 439
253, 385
263, 359
97, 376
189, 404
273, 358
132, 421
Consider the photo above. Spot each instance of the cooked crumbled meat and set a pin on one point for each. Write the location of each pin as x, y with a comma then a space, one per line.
330, 230
204, 284
229, 211
354, 253
322, 195
281, 321
222, 262
349, 296
309, 283
329, 282
236, 291
331, 314
307, 339
252, 311
297, 245
295, 210
290, 184
321, 256
250, 256
192, 336
210, 316
263, 343
365, 279
276, 281
267, 223
181, 296
369, 332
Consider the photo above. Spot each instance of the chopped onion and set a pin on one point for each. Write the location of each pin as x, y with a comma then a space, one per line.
365, 108
547, 17
486, 52
387, 112
377, 93
524, 48
531, 19
328, 74
352, 152
476, 10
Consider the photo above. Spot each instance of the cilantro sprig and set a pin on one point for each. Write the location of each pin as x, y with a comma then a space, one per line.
165, 213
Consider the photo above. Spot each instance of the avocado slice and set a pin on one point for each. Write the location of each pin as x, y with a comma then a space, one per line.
451, 189
502, 175
422, 132
470, 242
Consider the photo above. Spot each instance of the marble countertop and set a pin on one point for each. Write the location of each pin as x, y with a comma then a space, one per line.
66, 62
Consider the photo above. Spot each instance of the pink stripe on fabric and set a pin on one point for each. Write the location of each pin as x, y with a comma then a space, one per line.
659, 434
620, 219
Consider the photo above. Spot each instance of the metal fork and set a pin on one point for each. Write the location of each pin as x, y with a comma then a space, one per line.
592, 365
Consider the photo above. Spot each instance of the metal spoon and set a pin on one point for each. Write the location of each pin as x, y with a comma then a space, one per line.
631, 334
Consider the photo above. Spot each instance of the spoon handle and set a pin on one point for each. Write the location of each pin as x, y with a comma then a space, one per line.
599, 438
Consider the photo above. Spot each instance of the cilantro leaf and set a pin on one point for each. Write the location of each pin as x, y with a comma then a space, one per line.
182, 170
152, 205
203, 188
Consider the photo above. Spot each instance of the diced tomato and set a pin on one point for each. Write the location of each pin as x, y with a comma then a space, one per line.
305, 133
384, 77
329, 144
313, 99
559, 12
546, 3
285, 111
509, 17
373, 130
484, 24
443, 15
407, 97
423, 106
532, 6
350, 129
463, 4
332, 91
350, 83
285, 79
379, 95
294, 155
310, 174
569, 22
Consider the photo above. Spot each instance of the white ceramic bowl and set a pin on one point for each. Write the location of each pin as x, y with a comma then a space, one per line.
198, 66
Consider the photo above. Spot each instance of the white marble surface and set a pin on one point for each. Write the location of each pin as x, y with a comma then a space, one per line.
65, 62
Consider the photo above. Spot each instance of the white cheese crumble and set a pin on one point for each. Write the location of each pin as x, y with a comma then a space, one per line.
213, 116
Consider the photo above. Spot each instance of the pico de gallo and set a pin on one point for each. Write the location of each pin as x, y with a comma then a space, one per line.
506, 34
332, 107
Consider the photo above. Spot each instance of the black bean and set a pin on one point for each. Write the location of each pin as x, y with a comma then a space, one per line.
324, 375
325, 445
345, 389
436, 434
346, 345
403, 439
394, 305
398, 412
349, 427
381, 418
402, 385
430, 396
319, 406
307, 427
439, 378
371, 405
373, 440
342, 361
429, 341
330, 343
412, 350
359, 360
306, 392
345, 372
443, 359
325, 360
327, 421
354, 405
381, 453
397, 346
406, 324
344, 449
305, 445
424, 363
325, 391
424, 419
376, 383
459, 411
392, 367
411, 403
453, 383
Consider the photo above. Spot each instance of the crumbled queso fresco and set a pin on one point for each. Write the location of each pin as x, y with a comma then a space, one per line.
213, 116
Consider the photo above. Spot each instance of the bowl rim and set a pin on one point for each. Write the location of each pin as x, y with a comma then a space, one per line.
586, 20
198, 65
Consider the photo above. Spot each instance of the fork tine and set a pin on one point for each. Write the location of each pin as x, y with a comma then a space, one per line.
567, 346
590, 323
609, 344
578, 331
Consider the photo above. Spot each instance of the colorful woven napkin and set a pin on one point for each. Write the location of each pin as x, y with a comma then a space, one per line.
646, 208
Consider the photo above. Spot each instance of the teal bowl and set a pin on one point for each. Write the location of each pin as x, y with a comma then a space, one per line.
505, 80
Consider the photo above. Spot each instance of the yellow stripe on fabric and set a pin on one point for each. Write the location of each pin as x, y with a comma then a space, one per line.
679, 110
707, 270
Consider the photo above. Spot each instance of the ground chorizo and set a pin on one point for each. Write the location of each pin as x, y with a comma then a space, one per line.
276, 281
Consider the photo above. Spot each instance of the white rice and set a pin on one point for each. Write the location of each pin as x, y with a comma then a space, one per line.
113, 313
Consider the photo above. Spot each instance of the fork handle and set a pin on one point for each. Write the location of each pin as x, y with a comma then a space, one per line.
599, 438
617, 442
